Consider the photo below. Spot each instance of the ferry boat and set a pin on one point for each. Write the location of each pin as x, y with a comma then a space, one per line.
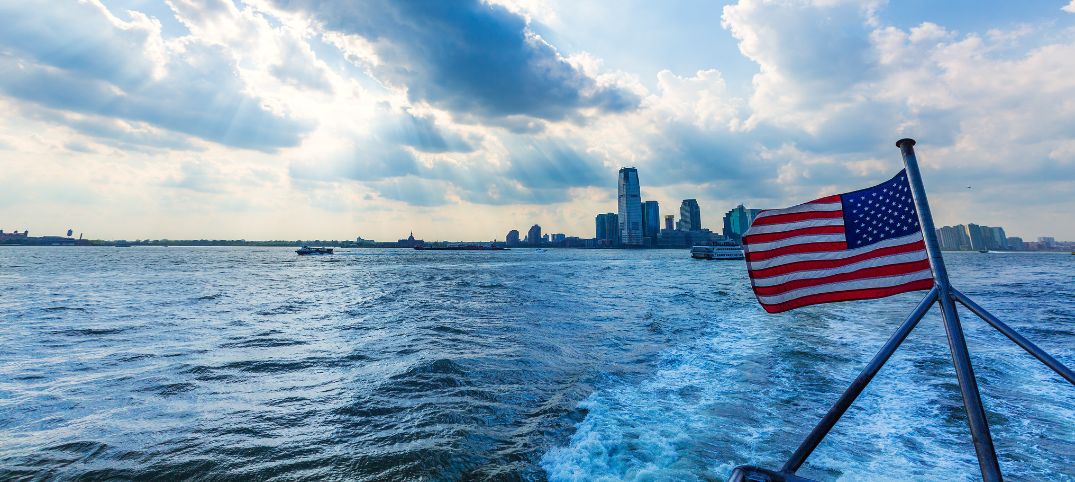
718, 251
306, 250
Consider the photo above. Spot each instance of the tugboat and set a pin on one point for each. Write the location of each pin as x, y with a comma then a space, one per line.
306, 250
721, 250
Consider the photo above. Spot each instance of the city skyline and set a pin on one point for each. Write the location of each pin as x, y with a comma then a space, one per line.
282, 120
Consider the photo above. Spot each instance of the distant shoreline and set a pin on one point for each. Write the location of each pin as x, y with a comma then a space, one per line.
353, 245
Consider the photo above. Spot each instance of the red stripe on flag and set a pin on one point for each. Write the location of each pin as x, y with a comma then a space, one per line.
797, 248
864, 294
767, 237
873, 272
793, 217
836, 263
835, 198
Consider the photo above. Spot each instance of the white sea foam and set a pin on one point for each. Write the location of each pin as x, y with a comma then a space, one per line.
741, 394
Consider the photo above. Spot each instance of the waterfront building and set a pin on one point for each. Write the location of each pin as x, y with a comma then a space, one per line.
972, 237
1016, 243
533, 236
608, 230
678, 238
630, 207
977, 239
690, 215
573, 242
512, 239
953, 238
673, 238
651, 222
1047, 242
669, 221
997, 238
410, 242
15, 235
737, 221
558, 237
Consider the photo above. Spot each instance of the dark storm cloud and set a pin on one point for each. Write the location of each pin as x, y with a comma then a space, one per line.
468, 57
71, 57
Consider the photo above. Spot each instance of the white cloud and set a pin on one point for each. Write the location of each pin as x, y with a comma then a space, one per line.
351, 120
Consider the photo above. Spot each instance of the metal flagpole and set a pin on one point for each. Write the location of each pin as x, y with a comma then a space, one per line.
968, 385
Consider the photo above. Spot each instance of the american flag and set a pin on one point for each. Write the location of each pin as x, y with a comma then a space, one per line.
853, 246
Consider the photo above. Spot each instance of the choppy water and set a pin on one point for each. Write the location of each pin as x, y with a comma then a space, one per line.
246, 363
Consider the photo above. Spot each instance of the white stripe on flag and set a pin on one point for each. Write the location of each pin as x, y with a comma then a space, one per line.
830, 255
821, 273
802, 208
809, 238
779, 228
882, 282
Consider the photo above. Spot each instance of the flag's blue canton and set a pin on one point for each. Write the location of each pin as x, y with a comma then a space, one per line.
878, 213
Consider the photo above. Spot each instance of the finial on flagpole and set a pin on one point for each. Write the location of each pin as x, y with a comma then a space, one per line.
910, 142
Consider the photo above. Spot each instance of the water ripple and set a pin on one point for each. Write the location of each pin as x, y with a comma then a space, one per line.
238, 363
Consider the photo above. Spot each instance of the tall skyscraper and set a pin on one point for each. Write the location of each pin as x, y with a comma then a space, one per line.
670, 222
690, 215
953, 238
738, 220
630, 215
533, 236
512, 238
651, 222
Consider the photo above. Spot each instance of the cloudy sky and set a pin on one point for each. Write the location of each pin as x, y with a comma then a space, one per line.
270, 119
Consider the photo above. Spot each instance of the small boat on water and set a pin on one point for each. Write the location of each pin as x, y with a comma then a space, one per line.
983, 250
725, 250
306, 250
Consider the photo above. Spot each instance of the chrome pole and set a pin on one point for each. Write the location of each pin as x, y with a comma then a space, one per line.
1014, 336
829, 420
968, 385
